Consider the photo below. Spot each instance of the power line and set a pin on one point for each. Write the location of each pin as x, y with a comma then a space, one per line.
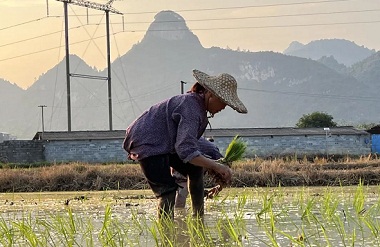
334, 96
204, 29
259, 17
209, 19
220, 8
243, 7
23, 23
36, 37
259, 27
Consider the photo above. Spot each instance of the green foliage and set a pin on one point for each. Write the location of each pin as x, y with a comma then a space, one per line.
366, 126
316, 120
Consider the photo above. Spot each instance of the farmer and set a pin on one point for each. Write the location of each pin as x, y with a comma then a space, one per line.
166, 135
209, 150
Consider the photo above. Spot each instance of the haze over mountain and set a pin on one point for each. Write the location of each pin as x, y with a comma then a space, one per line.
344, 51
276, 88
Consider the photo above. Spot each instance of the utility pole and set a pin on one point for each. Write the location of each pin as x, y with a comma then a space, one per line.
42, 116
182, 85
327, 130
104, 7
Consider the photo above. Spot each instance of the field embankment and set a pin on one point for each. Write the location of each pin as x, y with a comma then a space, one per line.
247, 173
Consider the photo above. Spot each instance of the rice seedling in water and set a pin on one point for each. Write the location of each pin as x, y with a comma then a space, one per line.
284, 217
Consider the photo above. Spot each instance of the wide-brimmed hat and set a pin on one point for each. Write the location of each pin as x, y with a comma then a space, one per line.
223, 86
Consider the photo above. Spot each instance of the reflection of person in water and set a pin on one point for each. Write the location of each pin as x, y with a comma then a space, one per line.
208, 149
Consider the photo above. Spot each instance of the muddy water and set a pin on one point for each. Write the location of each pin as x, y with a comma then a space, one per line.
237, 217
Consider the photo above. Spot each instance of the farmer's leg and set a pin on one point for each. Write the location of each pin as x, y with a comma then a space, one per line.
182, 193
196, 189
195, 180
157, 171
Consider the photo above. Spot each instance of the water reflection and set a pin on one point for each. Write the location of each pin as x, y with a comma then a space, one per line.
238, 217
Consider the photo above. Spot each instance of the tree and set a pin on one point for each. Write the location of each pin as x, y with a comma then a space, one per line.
316, 120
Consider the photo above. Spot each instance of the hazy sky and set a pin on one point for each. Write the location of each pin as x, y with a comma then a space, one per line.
32, 42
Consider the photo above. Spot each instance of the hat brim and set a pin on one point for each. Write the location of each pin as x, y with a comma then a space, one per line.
230, 98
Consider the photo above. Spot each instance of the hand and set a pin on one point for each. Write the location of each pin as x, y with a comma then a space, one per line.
225, 172
214, 191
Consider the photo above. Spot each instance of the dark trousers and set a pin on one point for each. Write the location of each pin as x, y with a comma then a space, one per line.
157, 171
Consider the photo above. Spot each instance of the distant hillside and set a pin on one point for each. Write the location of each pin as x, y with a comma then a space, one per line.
276, 88
333, 64
368, 71
344, 51
10, 110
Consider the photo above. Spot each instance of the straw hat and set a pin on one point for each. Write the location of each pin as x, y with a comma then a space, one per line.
223, 86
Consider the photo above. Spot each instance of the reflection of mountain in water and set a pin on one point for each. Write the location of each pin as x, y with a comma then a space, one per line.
277, 89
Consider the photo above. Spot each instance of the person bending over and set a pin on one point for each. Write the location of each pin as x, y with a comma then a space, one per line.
166, 135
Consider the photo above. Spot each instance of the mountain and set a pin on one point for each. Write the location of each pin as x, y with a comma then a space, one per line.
10, 96
344, 51
276, 88
333, 64
368, 71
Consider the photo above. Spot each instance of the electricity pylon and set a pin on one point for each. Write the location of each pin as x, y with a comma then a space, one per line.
103, 7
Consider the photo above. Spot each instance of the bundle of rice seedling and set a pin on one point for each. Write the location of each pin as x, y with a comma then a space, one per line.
234, 152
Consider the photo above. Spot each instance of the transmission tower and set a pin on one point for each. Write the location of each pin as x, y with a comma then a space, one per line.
107, 8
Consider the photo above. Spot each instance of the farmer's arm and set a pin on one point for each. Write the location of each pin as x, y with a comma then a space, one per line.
206, 163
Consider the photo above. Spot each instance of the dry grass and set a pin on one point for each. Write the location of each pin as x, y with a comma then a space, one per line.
72, 177
247, 173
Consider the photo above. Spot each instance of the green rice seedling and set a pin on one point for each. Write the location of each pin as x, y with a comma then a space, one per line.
307, 212
64, 227
46, 231
137, 223
267, 206
198, 232
298, 240
323, 229
301, 198
154, 233
372, 222
7, 233
120, 233
232, 230
26, 228
166, 230
106, 235
353, 238
162, 232
241, 202
340, 228
359, 198
270, 230
372, 226
329, 205
88, 233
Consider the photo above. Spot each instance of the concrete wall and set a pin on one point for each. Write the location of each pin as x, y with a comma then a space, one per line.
22, 151
99, 151
6, 137
94, 151
266, 146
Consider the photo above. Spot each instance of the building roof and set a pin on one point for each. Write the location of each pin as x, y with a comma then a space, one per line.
285, 131
80, 135
374, 130
227, 132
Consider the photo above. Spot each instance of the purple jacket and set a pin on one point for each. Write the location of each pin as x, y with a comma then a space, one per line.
171, 126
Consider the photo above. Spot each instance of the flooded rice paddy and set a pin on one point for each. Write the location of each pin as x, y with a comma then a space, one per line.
296, 216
